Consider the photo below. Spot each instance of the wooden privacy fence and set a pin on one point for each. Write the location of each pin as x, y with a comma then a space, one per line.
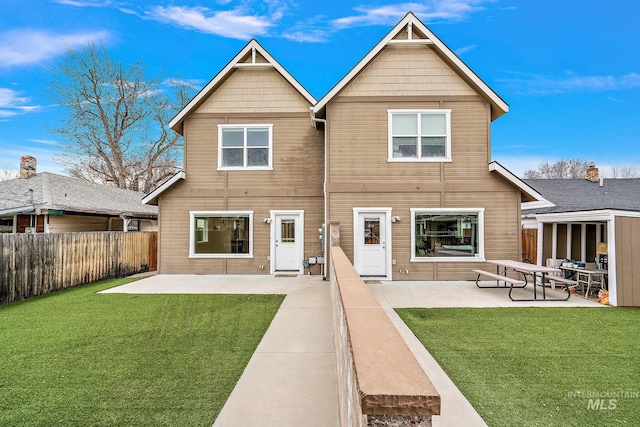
36, 264
530, 244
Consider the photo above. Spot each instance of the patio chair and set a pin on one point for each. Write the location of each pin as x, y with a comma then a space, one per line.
554, 263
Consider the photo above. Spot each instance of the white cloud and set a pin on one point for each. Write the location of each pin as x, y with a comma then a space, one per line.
12, 104
430, 10
84, 3
25, 47
232, 23
571, 82
461, 51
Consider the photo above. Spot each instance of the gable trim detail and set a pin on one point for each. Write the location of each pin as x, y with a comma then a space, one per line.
254, 48
499, 106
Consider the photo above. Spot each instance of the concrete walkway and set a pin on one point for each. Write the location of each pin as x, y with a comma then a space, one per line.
291, 378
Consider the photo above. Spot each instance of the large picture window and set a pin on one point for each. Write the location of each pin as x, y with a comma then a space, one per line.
221, 235
447, 234
244, 146
419, 135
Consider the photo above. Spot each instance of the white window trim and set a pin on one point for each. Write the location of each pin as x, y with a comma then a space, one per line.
244, 156
192, 242
478, 258
446, 158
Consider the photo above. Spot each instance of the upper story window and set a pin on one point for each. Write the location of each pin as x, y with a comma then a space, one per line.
419, 135
245, 147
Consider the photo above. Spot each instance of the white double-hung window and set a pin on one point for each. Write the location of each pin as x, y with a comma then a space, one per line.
419, 135
245, 147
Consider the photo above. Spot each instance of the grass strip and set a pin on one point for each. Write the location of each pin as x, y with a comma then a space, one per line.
538, 366
77, 358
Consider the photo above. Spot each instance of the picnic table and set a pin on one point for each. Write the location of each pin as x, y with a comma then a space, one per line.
527, 269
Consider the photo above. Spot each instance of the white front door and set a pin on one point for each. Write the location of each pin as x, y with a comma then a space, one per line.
370, 245
288, 241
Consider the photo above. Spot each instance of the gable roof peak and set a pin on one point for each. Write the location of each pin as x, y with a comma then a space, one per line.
253, 48
415, 27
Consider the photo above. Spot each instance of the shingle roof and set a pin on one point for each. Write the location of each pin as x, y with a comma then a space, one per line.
571, 195
51, 191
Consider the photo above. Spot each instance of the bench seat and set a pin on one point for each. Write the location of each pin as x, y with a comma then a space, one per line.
500, 277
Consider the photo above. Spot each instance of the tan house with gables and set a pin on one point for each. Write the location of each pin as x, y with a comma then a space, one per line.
398, 152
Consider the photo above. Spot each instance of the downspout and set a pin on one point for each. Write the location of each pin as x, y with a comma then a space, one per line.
316, 120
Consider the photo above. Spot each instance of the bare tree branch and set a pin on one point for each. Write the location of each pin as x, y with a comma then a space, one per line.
115, 128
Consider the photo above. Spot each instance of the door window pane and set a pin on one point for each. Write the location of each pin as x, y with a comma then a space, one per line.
288, 230
372, 231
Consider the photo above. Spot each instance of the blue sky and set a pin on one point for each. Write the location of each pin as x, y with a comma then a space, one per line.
570, 70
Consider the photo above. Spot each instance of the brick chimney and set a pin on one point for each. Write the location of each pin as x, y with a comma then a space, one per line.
27, 167
592, 173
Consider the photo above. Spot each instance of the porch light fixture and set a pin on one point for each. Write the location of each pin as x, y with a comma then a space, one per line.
266, 220
395, 218
603, 248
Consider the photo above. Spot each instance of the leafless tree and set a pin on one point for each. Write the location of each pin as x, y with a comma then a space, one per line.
562, 169
115, 128
627, 171
7, 173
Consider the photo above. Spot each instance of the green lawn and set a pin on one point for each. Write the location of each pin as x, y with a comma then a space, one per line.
76, 358
539, 366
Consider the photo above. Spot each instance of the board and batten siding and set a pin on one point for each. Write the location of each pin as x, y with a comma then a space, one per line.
249, 96
627, 253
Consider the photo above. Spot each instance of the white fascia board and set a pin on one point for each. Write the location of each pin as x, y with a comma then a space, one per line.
387, 40
544, 203
523, 186
176, 122
151, 197
19, 210
580, 216
585, 216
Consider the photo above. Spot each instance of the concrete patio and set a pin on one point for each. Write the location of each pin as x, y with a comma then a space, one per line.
291, 378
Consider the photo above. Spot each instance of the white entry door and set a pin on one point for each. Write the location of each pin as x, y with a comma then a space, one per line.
288, 240
370, 245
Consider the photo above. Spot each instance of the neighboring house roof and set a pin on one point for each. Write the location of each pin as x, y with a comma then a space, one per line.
254, 49
72, 195
418, 33
575, 195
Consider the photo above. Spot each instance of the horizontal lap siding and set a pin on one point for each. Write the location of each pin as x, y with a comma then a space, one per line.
501, 227
77, 223
359, 143
175, 232
249, 96
407, 70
